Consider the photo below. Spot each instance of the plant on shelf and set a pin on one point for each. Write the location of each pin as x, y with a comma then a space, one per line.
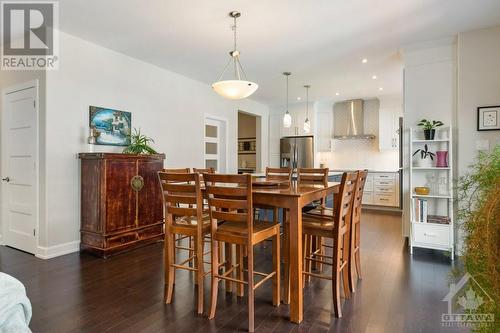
139, 144
479, 219
426, 157
429, 127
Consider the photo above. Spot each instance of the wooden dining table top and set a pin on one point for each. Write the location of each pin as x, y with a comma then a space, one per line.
292, 189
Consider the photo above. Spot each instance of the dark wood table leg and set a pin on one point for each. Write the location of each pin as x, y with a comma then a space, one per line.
296, 300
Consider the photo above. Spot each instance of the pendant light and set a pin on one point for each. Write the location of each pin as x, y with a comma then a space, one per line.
307, 123
236, 88
287, 118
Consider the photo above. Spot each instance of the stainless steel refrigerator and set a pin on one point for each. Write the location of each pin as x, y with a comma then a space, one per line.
297, 152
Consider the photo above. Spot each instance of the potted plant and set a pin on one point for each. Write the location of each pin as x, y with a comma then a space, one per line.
429, 128
479, 219
139, 144
426, 157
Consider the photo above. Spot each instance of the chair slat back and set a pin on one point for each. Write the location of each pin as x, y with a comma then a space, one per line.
358, 196
312, 176
230, 199
182, 198
344, 201
176, 170
279, 174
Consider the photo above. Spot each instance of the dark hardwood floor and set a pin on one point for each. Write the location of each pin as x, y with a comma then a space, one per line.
82, 293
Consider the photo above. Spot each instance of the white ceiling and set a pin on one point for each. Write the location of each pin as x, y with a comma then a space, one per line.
321, 42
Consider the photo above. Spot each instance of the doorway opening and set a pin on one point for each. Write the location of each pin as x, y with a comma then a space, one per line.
249, 144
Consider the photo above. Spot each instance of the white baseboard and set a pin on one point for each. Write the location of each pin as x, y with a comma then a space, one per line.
57, 250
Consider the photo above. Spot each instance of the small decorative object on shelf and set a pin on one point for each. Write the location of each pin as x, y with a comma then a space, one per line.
139, 144
429, 127
442, 159
422, 190
425, 158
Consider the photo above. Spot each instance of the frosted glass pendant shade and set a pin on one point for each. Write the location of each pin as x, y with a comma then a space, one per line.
287, 120
235, 89
307, 125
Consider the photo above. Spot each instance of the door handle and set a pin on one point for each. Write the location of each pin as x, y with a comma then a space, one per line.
6, 179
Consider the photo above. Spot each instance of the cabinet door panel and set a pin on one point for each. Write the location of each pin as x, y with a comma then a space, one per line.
120, 198
149, 197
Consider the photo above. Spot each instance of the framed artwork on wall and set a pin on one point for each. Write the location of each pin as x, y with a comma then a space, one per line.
112, 126
488, 118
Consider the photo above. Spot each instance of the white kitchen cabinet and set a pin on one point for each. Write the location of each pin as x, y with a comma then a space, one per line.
388, 130
297, 127
381, 189
324, 131
275, 130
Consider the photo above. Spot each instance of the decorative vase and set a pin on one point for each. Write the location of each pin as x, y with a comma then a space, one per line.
429, 134
442, 158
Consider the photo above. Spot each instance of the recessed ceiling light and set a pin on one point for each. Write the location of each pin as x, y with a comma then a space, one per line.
374, 77
337, 93
381, 88
364, 61
299, 98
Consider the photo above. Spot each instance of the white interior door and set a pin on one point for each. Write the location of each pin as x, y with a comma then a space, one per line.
19, 164
215, 144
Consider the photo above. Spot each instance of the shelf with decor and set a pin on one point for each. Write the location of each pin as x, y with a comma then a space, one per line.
431, 199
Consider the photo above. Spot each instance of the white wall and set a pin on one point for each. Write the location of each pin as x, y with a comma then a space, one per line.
478, 85
167, 106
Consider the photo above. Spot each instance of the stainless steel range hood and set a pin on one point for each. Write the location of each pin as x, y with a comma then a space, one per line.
349, 121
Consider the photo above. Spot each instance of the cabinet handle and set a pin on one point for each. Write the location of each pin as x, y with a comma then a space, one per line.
430, 234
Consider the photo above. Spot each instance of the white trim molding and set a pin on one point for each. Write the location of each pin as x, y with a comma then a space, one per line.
57, 250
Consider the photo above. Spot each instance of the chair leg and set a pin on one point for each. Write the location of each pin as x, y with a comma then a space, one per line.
319, 247
215, 280
170, 270
346, 255
276, 268
228, 256
358, 262
336, 292
286, 260
307, 253
191, 252
240, 270
275, 215
200, 271
251, 304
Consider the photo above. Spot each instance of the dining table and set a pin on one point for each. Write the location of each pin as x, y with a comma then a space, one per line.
292, 197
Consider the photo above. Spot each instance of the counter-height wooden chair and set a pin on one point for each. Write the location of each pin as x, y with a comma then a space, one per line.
183, 202
179, 239
313, 176
232, 222
280, 174
337, 228
355, 231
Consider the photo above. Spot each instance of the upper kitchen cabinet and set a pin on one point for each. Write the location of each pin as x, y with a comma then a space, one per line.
297, 128
324, 131
389, 113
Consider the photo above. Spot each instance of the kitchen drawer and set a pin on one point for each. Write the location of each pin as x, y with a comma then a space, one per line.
384, 176
367, 198
384, 182
384, 189
431, 234
121, 239
384, 199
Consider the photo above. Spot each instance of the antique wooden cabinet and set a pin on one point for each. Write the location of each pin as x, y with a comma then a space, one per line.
121, 204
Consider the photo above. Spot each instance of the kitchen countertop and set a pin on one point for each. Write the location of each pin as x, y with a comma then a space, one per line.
369, 170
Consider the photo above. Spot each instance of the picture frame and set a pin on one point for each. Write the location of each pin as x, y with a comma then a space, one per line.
112, 127
488, 118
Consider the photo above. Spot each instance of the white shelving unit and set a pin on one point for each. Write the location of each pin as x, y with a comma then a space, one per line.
426, 234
